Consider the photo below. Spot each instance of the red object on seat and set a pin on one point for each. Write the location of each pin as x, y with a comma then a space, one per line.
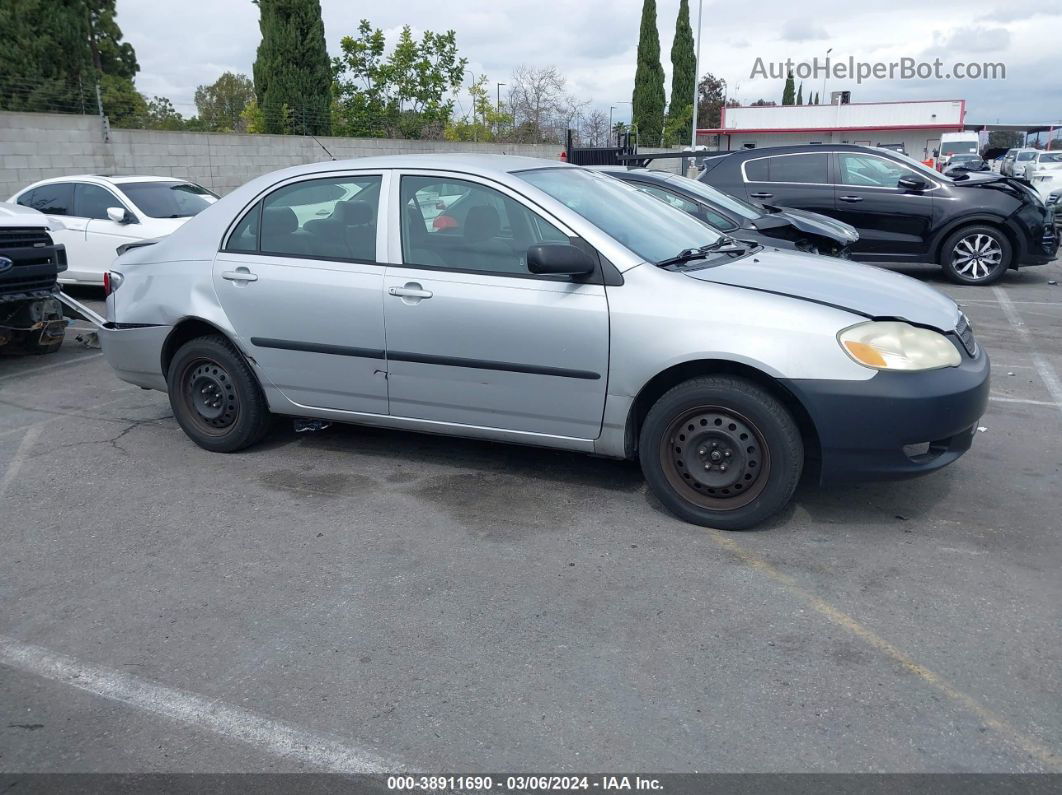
444, 222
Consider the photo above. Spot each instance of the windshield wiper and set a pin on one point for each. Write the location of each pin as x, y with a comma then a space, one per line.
724, 245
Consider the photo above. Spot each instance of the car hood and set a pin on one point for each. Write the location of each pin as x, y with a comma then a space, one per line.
817, 224
17, 215
861, 289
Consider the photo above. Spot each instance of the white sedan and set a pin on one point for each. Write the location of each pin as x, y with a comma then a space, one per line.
97, 214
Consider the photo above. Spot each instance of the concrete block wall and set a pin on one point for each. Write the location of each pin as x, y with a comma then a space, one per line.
35, 146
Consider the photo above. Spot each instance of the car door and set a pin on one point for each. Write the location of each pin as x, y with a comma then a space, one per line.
304, 292
473, 338
893, 222
102, 235
56, 200
799, 179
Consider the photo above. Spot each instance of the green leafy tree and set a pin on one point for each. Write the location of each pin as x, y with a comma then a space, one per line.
800, 94
711, 92
161, 115
221, 104
292, 72
789, 92
648, 98
53, 56
677, 127
683, 64
406, 92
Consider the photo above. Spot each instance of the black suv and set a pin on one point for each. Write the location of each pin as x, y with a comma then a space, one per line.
976, 226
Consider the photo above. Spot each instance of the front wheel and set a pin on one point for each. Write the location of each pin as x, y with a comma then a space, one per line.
215, 397
721, 451
976, 255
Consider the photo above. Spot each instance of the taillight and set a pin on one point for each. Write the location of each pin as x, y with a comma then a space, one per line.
112, 280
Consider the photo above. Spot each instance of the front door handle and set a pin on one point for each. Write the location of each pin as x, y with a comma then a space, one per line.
850, 198
240, 275
761, 195
410, 290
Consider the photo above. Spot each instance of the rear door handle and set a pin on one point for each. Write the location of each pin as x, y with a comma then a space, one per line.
761, 195
410, 291
240, 275
850, 198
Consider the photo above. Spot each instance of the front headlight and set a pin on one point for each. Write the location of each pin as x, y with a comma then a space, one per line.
891, 345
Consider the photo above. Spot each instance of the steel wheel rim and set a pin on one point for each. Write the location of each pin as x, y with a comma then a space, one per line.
976, 256
715, 458
210, 396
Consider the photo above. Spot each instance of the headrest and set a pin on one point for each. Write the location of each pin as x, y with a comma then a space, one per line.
481, 223
354, 212
279, 221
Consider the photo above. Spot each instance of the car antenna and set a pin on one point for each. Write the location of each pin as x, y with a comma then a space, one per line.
330, 155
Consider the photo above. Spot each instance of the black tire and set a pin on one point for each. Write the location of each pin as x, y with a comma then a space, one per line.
215, 397
976, 255
738, 465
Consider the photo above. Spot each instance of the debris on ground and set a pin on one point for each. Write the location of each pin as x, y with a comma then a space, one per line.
310, 426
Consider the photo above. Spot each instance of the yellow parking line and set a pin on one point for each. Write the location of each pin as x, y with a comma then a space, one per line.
1018, 739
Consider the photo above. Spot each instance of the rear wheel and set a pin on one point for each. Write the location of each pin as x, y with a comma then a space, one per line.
976, 255
215, 396
721, 451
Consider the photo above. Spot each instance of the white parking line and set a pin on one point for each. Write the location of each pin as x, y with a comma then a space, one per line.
67, 363
264, 734
1027, 401
1043, 367
24, 447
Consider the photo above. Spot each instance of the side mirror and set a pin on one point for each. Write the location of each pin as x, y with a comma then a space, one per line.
559, 259
120, 215
936, 153
912, 183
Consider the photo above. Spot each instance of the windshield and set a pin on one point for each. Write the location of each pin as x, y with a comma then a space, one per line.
710, 194
954, 147
647, 226
168, 199
929, 172
1026, 155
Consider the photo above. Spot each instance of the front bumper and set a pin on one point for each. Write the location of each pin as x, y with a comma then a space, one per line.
896, 425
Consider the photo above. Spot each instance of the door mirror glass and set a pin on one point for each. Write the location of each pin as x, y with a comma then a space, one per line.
911, 183
558, 259
119, 215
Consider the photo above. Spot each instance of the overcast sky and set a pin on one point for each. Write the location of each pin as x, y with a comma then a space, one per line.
184, 44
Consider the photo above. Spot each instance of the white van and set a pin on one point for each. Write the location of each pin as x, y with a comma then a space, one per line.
960, 143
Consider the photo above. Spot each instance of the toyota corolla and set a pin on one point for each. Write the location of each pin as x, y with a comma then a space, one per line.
555, 307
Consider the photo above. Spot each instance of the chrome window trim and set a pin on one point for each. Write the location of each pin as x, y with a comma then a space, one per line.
745, 179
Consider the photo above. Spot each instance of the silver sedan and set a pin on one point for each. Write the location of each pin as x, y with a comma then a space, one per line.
533, 302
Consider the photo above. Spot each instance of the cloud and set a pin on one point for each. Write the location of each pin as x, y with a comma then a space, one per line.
802, 30
972, 38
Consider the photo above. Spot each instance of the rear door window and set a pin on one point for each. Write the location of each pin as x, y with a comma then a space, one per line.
810, 168
333, 218
54, 199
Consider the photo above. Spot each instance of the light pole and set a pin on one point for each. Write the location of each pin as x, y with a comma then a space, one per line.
827, 71
696, 77
612, 108
499, 85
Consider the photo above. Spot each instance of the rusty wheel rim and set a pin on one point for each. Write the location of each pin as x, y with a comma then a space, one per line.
715, 458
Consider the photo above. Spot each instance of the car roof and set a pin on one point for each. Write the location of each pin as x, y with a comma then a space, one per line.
468, 162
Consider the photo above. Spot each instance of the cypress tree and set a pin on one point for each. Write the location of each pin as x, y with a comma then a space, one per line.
683, 63
816, 97
292, 73
800, 95
647, 101
789, 92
